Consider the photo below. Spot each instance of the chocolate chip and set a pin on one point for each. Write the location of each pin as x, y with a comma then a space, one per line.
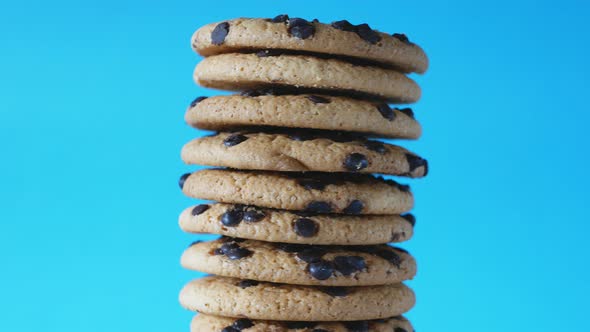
344, 25
197, 100
182, 179
242, 324
234, 139
410, 218
386, 111
319, 207
226, 247
358, 326
367, 34
230, 329
280, 19
310, 184
199, 209
301, 28
247, 283
407, 111
219, 33
318, 99
355, 162
399, 329
336, 291
232, 217
218, 252
348, 265
402, 37
253, 216
390, 256
355, 207
300, 325
321, 269
310, 255
305, 227
375, 146
238, 253
415, 162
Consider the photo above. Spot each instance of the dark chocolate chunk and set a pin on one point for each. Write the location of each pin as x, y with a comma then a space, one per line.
219, 33
247, 283
300, 325
305, 227
182, 179
301, 28
253, 216
197, 100
318, 99
234, 139
410, 218
336, 291
348, 265
232, 217
376, 146
312, 254
407, 111
358, 326
321, 269
242, 324
402, 37
238, 253
386, 111
415, 162
390, 256
356, 162
319, 207
226, 247
218, 252
312, 184
230, 329
355, 207
199, 209
280, 19
344, 25
367, 34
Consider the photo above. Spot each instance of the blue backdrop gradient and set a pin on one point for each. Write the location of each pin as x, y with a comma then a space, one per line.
92, 98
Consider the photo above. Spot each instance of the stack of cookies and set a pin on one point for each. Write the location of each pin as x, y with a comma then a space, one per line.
304, 224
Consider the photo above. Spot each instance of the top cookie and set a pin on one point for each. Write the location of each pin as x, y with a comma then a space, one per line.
297, 35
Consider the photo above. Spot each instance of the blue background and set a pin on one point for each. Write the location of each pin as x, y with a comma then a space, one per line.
92, 98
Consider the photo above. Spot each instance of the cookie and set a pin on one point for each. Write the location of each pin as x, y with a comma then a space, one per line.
210, 323
310, 192
301, 264
296, 35
232, 297
283, 226
227, 113
302, 152
299, 72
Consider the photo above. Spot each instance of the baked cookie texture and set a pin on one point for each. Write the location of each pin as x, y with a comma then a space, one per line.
230, 297
311, 192
273, 225
302, 152
210, 323
301, 264
245, 34
330, 113
239, 72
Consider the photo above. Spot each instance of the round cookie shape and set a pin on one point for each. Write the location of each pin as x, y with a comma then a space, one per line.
228, 297
222, 113
319, 193
303, 152
338, 39
210, 323
280, 225
239, 72
302, 264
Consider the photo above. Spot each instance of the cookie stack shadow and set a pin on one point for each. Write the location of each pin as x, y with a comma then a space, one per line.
304, 223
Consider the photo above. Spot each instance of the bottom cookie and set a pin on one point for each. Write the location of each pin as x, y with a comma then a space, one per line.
238, 298
210, 323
